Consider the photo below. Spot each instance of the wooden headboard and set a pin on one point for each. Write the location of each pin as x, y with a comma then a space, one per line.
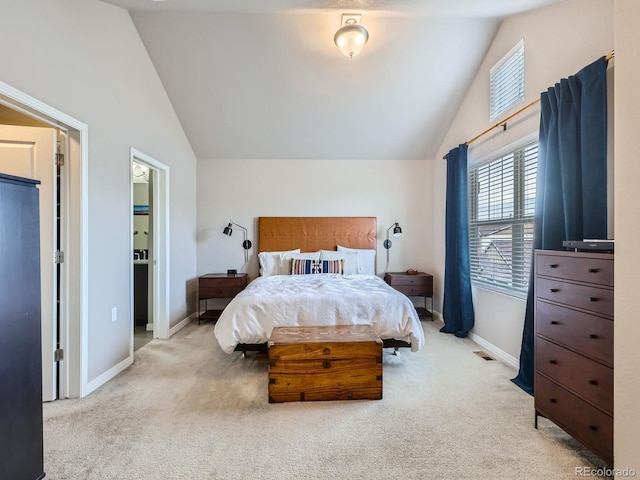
311, 234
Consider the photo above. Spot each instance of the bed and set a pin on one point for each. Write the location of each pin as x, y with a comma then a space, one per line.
348, 291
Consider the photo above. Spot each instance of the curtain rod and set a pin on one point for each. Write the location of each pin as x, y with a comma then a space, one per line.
503, 123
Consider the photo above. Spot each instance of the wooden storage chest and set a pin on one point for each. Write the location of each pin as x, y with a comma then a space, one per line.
574, 345
342, 362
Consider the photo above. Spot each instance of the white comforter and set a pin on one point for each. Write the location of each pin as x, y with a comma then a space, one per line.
322, 299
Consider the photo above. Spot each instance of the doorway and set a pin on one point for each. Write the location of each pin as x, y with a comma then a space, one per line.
65, 357
149, 249
143, 212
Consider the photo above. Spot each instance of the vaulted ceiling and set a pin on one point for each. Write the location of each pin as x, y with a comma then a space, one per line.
256, 79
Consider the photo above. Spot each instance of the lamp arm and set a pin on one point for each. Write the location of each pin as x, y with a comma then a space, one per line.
246, 244
239, 226
387, 243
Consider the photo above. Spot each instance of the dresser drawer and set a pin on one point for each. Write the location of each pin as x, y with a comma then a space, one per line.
416, 285
590, 335
591, 380
585, 422
594, 299
417, 290
223, 282
580, 269
221, 286
219, 292
405, 279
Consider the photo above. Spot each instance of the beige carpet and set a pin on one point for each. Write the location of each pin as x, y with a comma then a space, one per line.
186, 410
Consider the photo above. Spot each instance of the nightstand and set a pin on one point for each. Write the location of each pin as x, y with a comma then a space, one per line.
416, 285
219, 285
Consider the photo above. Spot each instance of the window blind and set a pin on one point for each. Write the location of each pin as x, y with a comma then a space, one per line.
502, 196
506, 82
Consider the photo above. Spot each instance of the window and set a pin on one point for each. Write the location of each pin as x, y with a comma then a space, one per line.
506, 82
502, 196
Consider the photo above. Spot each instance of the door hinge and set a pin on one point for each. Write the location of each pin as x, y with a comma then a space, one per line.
58, 355
60, 159
58, 257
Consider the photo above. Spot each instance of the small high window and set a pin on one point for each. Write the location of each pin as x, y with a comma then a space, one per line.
506, 82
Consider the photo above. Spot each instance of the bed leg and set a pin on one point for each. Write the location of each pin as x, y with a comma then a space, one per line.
395, 351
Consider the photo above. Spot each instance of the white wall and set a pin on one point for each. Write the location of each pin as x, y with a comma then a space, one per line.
559, 41
627, 261
243, 190
85, 58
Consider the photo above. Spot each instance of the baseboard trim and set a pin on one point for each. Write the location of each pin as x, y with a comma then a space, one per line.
488, 346
108, 375
179, 326
495, 351
127, 362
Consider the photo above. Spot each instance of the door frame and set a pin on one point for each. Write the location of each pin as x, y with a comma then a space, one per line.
160, 238
74, 296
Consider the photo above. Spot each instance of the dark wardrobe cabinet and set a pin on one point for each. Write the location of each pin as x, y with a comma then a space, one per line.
21, 451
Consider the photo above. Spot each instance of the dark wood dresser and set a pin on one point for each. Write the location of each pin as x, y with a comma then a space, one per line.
574, 345
21, 449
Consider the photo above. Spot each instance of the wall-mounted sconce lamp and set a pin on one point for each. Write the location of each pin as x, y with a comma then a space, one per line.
351, 38
397, 232
228, 230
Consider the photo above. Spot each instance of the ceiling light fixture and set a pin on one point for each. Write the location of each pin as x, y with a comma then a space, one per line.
351, 38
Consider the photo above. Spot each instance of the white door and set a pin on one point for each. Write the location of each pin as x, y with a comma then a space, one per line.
30, 152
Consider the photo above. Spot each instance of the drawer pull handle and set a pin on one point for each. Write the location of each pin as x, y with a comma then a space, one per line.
326, 364
554, 322
326, 351
593, 299
553, 265
594, 270
593, 428
553, 400
593, 336
593, 382
553, 362
554, 290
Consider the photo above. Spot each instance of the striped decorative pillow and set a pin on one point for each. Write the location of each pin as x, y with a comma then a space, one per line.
301, 266
333, 266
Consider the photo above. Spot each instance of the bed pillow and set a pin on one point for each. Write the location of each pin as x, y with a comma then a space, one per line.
270, 262
350, 266
285, 260
366, 259
305, 266
307, 255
